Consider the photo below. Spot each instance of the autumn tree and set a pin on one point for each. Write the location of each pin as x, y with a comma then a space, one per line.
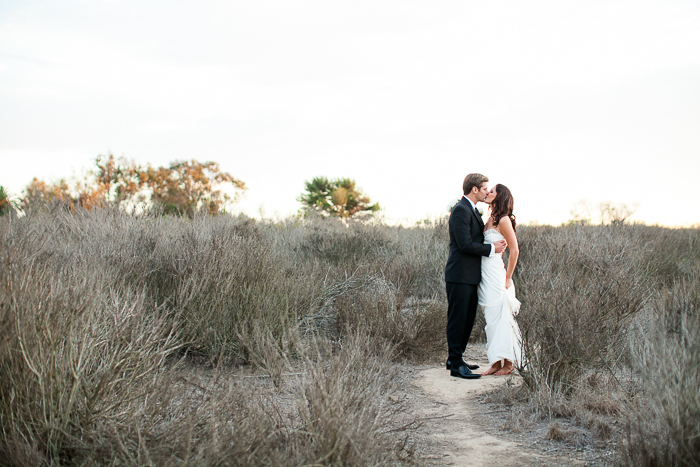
111, 181
41, 193
186, 187
117, 180
339, 197
181, 188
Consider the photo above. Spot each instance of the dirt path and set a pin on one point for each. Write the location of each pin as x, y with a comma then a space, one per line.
458, 427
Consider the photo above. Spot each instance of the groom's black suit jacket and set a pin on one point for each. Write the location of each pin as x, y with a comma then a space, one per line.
466, 245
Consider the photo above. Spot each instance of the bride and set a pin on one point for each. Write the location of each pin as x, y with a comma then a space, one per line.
496, 290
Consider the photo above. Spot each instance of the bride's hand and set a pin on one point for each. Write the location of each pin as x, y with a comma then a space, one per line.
509, 283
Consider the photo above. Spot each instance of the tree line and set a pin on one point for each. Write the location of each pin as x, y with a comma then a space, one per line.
181, 188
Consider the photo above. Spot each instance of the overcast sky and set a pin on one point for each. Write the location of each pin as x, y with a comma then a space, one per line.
560, 101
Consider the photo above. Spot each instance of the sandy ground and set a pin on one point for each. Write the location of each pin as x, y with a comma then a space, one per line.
457, 425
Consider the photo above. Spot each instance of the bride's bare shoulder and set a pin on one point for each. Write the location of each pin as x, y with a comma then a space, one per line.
505, 225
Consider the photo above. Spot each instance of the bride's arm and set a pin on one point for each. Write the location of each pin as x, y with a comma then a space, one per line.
506, 228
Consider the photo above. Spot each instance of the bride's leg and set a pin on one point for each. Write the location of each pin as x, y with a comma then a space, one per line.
494, 368
507, 369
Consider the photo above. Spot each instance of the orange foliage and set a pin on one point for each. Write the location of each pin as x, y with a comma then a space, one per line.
189, 186
182, 188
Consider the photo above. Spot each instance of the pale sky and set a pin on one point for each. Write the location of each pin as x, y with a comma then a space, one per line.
561, 101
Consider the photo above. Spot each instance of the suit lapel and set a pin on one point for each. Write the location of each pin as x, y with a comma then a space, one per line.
469, 207
478, 217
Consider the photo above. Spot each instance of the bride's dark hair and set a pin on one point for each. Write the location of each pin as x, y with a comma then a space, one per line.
502, 205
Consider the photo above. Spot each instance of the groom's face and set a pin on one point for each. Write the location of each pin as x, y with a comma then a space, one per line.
482, 193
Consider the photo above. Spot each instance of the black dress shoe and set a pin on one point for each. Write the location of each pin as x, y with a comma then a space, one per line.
464, 372
469, 365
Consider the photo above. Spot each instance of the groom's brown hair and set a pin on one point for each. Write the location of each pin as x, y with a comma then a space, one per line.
473, 180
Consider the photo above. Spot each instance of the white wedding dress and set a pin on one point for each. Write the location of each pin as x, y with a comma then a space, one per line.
500, 306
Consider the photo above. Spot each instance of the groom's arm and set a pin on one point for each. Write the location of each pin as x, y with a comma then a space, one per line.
461, 230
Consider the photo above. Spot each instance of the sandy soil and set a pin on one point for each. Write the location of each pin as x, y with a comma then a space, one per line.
457, 426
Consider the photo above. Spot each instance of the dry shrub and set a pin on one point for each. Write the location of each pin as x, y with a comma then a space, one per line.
225, 277
417, 269
579, 287
97, 306
415, 328
412, 260
219, 277
584, 291
226, 280
669, 254
73, 353
663, 418
599, 426
390, 282
517, 420
350, 406
342, 408
557, 432
336, 242
599, 399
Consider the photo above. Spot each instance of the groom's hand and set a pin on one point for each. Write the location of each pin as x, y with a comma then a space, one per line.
500, 246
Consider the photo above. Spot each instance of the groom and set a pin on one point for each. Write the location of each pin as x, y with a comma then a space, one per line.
463, 271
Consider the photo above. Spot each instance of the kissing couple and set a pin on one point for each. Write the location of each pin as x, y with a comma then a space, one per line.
475, 275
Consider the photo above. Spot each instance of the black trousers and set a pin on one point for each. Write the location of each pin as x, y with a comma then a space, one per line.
462, 302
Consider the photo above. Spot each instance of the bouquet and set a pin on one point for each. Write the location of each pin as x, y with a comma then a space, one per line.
452, 204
